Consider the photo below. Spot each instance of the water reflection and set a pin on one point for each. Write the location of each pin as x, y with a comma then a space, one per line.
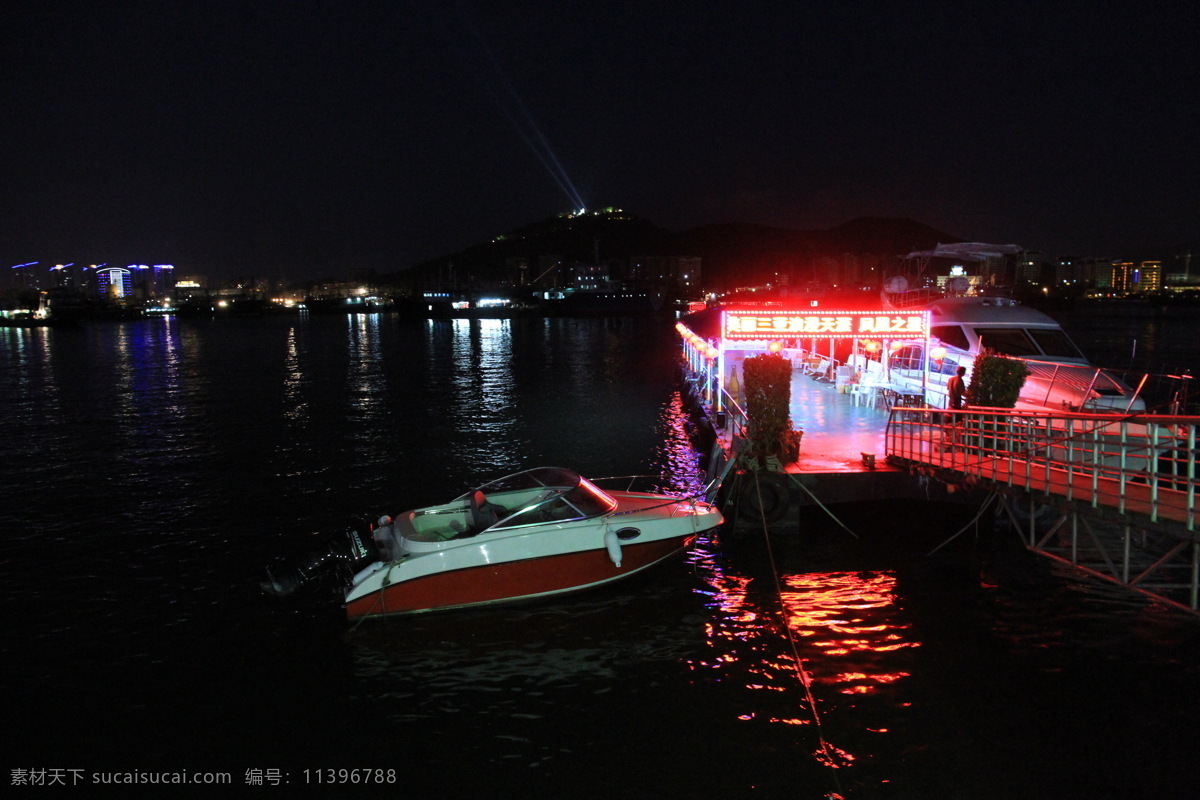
366, 384
675, 457
295, 407
27, 359
483, 406
850, 618
151, 388
849, 635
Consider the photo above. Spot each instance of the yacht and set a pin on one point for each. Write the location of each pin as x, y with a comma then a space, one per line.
1060, 376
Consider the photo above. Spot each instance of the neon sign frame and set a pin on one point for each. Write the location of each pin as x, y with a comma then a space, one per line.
760, 325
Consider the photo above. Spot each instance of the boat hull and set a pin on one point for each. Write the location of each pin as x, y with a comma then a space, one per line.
513, 580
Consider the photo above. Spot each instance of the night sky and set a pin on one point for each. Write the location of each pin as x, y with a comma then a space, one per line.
293, 139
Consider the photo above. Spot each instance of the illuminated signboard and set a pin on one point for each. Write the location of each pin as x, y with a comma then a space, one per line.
758, 325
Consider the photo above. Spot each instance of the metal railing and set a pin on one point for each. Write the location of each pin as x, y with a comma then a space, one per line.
1140, 464
736, 415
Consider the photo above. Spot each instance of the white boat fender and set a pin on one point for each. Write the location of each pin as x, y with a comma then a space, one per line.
613, 544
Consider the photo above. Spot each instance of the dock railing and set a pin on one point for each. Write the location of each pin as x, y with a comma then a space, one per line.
1140, 464
735, 415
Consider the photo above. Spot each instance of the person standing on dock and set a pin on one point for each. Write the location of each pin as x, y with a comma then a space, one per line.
956, 392
956, 389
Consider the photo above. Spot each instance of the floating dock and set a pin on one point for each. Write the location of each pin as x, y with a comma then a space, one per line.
842, 459
842, 455
1114, 495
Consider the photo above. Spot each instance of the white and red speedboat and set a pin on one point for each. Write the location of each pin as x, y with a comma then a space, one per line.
536, 533
540, 532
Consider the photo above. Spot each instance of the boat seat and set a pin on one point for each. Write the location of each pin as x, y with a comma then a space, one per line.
483, 514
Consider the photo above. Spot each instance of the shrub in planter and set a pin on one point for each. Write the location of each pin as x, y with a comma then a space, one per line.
768, 387
996, 381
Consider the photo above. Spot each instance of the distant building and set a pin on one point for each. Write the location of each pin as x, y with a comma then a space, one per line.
30, 276
1029, 268
153, 282
591, 276
1094, 272
1066, 271
114, 283
659, 273
66, 277
687, 274
190, 289
1150, 276
1145, 276
518, 271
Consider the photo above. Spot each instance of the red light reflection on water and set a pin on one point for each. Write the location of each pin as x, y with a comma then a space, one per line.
848, 631
846, 626
848, 617
841, 621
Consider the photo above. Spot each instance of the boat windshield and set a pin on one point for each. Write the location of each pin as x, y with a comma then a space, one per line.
1028, 342
1054, 343
557, 504
951, 335
540, 478
1007, 341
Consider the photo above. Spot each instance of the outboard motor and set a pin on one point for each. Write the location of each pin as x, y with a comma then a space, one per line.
342, 556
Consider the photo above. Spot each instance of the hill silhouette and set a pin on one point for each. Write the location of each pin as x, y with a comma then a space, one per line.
748, 253
731, 253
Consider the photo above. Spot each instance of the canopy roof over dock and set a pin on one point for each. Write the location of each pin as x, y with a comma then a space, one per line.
718, 339
968, 251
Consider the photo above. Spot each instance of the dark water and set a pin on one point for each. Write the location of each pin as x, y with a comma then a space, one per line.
1141, 341
151, 469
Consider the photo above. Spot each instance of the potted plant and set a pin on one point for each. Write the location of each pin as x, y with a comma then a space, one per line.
768, 388
996, 381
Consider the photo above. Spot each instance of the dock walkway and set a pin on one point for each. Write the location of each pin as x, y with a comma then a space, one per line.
837, 433
1111, 493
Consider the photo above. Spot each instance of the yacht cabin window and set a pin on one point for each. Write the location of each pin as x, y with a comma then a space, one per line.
1007, 341
908, 359
950, 335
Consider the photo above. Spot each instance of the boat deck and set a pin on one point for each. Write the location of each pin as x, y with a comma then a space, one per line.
837, 432
831, 467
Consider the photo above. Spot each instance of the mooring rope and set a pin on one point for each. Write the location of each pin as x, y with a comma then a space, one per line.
825, 749
380, 601
820, 505
367, 615
973, 520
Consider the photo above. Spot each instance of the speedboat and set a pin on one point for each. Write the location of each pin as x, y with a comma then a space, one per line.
536, 533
